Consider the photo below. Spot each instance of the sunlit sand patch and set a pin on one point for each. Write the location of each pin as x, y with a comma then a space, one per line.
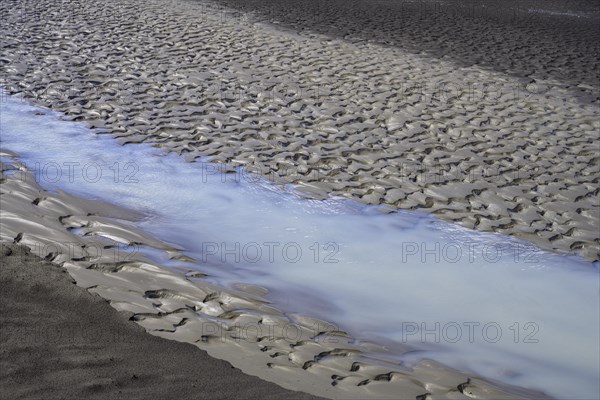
342, 116
355, 335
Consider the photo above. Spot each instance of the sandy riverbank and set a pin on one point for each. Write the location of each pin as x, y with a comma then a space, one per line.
239, 325
59, 341
496, 149
509, 147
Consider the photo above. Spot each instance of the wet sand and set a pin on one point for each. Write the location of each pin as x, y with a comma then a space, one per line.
540, 39
497, 143
89, 239
59, 341
504, 141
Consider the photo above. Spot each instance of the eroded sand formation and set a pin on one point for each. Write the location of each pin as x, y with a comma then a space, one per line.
378, 124
98, 245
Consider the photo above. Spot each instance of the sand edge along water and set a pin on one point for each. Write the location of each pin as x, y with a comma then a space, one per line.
86, 237
491, 151
61, 341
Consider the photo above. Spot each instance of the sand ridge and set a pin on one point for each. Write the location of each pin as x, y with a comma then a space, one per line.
491, 151
101, 249
60, 341
547, 39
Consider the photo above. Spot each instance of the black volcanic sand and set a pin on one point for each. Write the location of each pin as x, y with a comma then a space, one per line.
58, 341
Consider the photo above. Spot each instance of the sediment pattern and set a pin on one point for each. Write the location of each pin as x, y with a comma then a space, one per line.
540, 39
492, 151
101, 249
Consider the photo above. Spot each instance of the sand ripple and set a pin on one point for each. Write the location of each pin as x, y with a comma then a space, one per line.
99, 246
492, 152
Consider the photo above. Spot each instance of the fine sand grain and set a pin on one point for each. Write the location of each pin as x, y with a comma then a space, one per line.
504, 141
534, 39
59, 341
238, 325
473, 114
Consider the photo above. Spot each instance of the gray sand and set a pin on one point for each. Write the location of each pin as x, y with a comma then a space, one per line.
486, 122
504, 141
316, 105
60, 341
508, 146
238, 324
555, 39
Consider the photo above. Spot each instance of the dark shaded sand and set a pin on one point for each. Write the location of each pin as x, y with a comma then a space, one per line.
484, 116
57, 340
236, 324
535, 39
493, 124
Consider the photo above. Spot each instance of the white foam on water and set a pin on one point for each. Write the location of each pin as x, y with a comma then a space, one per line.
480, 302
